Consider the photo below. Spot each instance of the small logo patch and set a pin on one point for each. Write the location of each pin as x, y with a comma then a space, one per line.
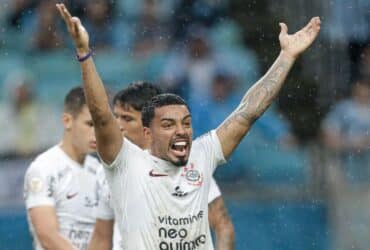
154, 174
35, 185
192, 175
70, 196
178, 192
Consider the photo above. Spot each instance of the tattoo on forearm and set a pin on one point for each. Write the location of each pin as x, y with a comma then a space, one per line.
261, 95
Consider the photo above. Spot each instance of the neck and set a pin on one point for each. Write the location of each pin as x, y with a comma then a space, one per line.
72, 152
146, 147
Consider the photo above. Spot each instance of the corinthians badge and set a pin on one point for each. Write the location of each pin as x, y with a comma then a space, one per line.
193, 176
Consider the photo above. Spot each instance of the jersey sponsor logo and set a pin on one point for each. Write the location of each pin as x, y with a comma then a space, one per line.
175, 234
152, 173
79, 238
192, 175
179, 193
182, 242
181, 221
70, 196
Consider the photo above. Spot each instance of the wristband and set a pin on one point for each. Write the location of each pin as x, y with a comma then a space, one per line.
85, 57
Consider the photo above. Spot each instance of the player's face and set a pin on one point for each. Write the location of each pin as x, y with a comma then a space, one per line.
129, 121
82, 132
171, 134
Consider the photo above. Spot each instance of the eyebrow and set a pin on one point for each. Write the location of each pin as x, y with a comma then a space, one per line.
170, 119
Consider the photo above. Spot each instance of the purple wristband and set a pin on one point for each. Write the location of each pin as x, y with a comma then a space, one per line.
85, 57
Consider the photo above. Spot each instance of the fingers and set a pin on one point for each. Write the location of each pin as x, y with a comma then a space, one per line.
63, 11
284, 29
76, 24
73, 23
60, 10
314, 24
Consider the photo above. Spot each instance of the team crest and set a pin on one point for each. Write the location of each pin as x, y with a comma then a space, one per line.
193, 176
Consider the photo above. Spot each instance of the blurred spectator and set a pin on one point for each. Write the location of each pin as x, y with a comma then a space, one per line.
227, 41
346, 132
132, 9
349, 23
211, 110
197, 11
224, 98
191, 69
99, 23
365, 62
217, 105
149, 27
46, 35
20, 11
23, 127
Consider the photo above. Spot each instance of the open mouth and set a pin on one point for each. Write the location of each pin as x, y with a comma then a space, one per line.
179, 148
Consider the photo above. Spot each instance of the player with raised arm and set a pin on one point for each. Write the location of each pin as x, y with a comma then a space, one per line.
127, 105
148, 214
61, 183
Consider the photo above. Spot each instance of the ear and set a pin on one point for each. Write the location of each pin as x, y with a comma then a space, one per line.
67, 121
148, 134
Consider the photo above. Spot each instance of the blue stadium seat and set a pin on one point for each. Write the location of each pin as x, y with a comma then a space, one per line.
280, 225
111, 67
270, 164
14, 232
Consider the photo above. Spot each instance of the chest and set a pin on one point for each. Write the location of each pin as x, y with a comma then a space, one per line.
181, 190
356, 122
75, 190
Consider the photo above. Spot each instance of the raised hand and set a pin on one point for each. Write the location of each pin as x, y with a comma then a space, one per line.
294, 45
76, 30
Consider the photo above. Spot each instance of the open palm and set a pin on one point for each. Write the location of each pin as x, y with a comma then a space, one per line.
75, 28
298, 42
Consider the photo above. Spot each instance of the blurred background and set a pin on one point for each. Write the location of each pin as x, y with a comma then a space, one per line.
299, 180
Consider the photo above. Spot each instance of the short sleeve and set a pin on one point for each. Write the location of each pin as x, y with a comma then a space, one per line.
214, 191
39, 186
128, 149
211, 146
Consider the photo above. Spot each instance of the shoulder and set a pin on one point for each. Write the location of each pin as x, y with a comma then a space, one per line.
205, 139
131, 150
44, 161
343, 105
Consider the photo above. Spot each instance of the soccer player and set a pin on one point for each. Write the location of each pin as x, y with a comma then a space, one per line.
148, 213
61, 184
127, 105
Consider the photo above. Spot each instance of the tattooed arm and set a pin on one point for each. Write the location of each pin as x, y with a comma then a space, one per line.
261, 94
221, 224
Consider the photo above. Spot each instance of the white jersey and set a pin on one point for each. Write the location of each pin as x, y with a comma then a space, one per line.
54, 179
105, 209
159, 205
